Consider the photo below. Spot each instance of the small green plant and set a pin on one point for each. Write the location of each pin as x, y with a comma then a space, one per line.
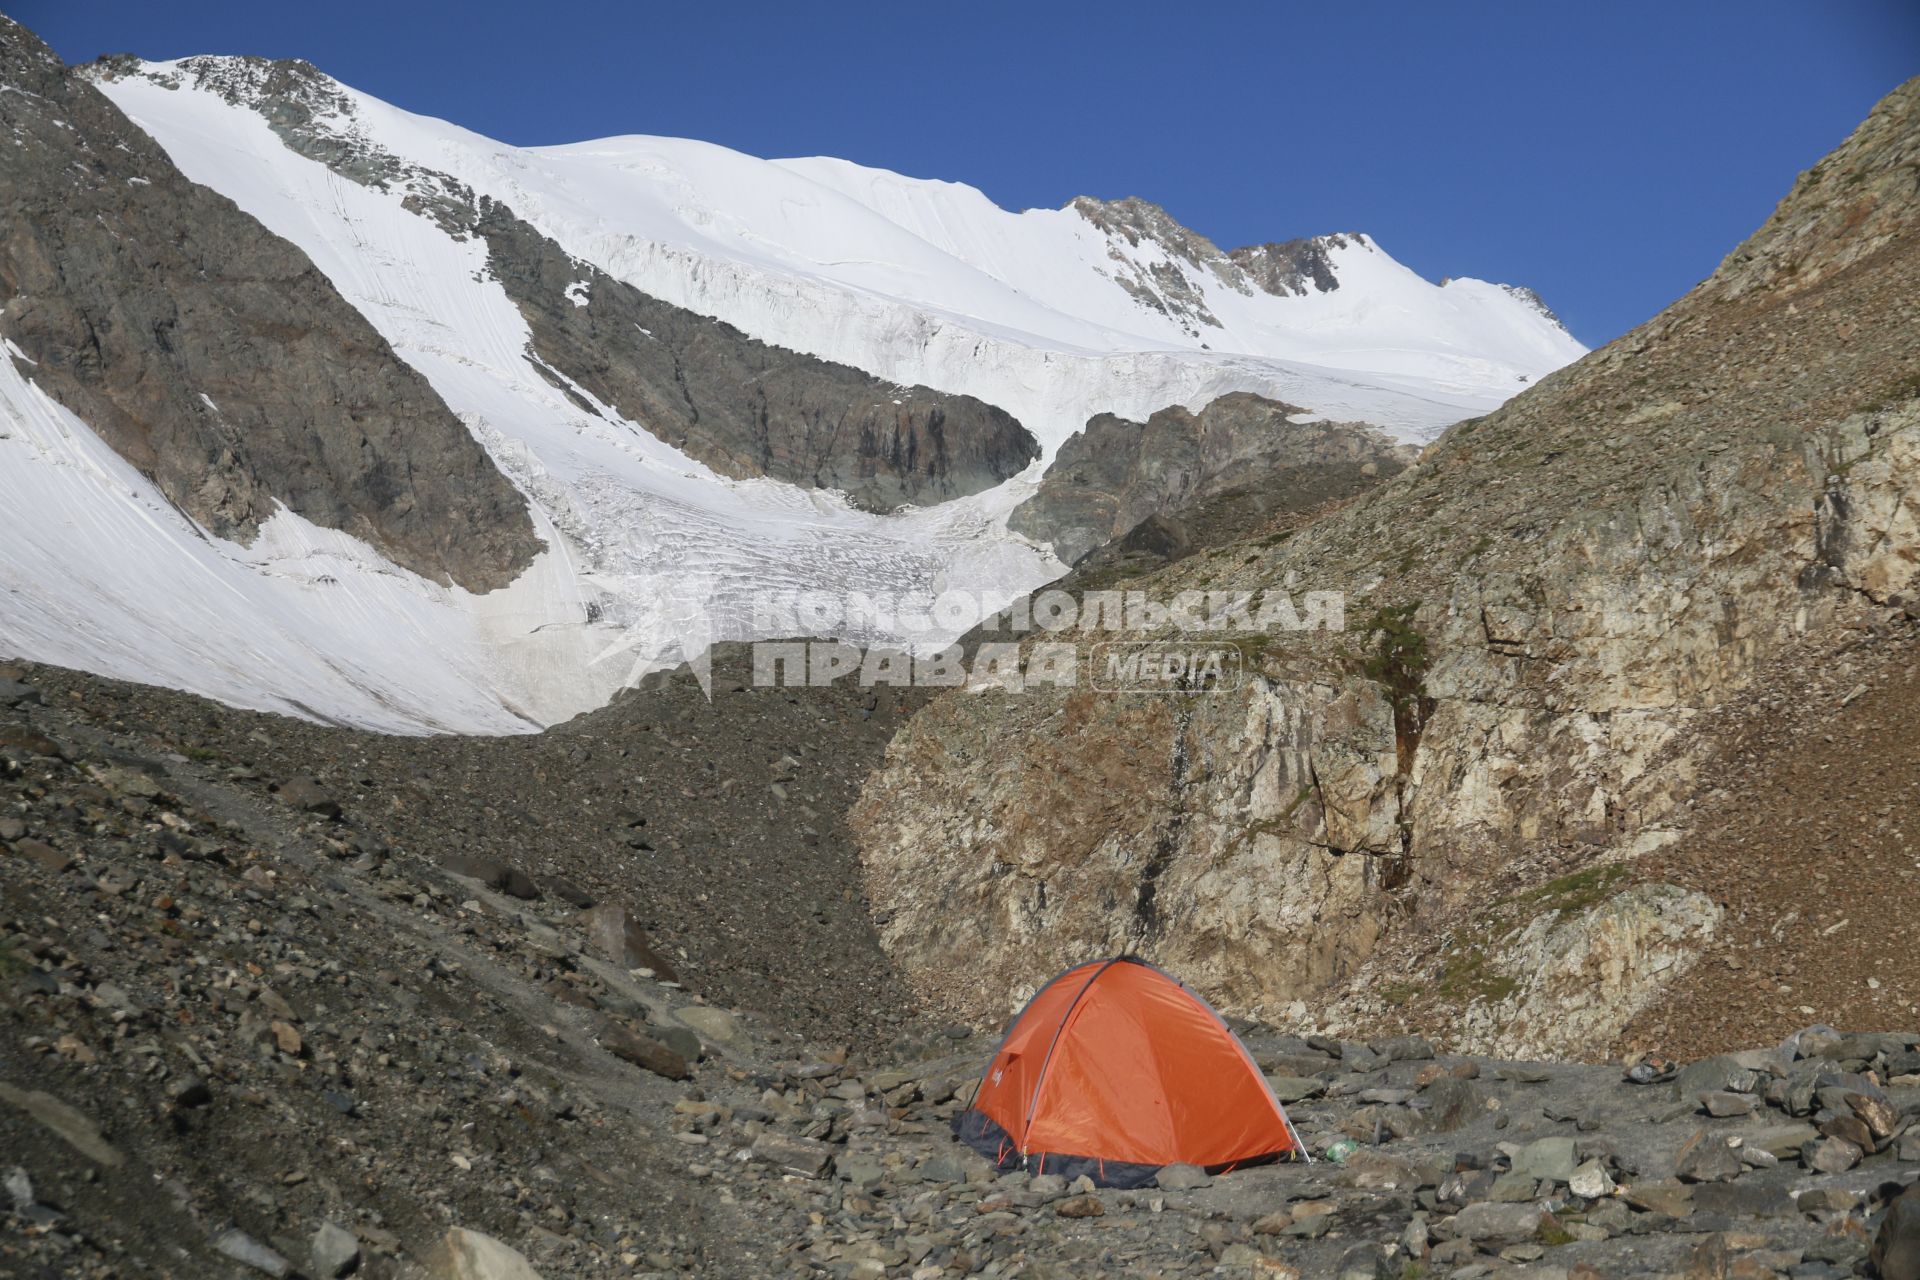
1895, 393
1570, 893
1397, 658
1467, 974
1395, 994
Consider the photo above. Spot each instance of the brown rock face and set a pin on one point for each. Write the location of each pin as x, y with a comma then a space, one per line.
213, 356
1114, 474
1575, 579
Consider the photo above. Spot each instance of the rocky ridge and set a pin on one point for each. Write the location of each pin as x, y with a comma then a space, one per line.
743, 407
1540, 611
147, 305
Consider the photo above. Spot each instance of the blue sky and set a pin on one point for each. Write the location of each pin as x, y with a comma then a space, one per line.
1607, 155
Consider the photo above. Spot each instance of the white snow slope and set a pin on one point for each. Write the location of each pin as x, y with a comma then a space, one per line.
649, 553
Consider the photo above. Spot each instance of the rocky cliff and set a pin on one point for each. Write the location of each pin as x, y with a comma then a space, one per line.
743, 407
1541, 612
212, 355
1114, 474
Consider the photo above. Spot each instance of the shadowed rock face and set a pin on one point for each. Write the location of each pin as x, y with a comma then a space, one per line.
1287, 269
214, 356
1114, 474
741, 406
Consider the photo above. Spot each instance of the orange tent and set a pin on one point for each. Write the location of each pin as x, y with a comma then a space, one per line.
1115, 1069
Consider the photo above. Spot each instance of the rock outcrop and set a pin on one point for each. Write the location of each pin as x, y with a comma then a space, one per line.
1546, 603
1292, 267
213, 356
1114, 474
741, 406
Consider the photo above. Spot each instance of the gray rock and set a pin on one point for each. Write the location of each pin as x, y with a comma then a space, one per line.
1707, 1157
1116, 476
1830, 1155
1710, 1075
1591, 1181
745, 407
248, 1252
1724, 1105
1045, 1187
715, 1026
334, 1251
943, 1170
1549, 1158
1513, 1188
862, 1171
19, 1188
1782, 1141
567, 891
488, 872
64, 1122
1497, 1222
1452, 1103
188, 1091
1292, 1089
1404, 1049
616, 935
1743, 1200
681, 1040
1182, 1177
805, 1156
1896, 1246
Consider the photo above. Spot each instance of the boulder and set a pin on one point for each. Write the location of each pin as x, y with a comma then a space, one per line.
1896, 1247
488, 872
1498, 1223
1548, 1158
616, 935
1707, 1157
1182, 1177
248, 1252
1591, 1181
308, 796
334, 1251
1452, 1103
468, 1255
714, 1026
1830, 1155
804, 1156
628, 1045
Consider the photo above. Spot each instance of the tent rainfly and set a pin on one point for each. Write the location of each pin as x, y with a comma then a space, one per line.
1114, 1070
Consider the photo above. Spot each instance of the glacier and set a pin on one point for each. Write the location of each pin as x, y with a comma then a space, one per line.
912, 280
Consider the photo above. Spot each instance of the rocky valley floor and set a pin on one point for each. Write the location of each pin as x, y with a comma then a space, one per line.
289, 1000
